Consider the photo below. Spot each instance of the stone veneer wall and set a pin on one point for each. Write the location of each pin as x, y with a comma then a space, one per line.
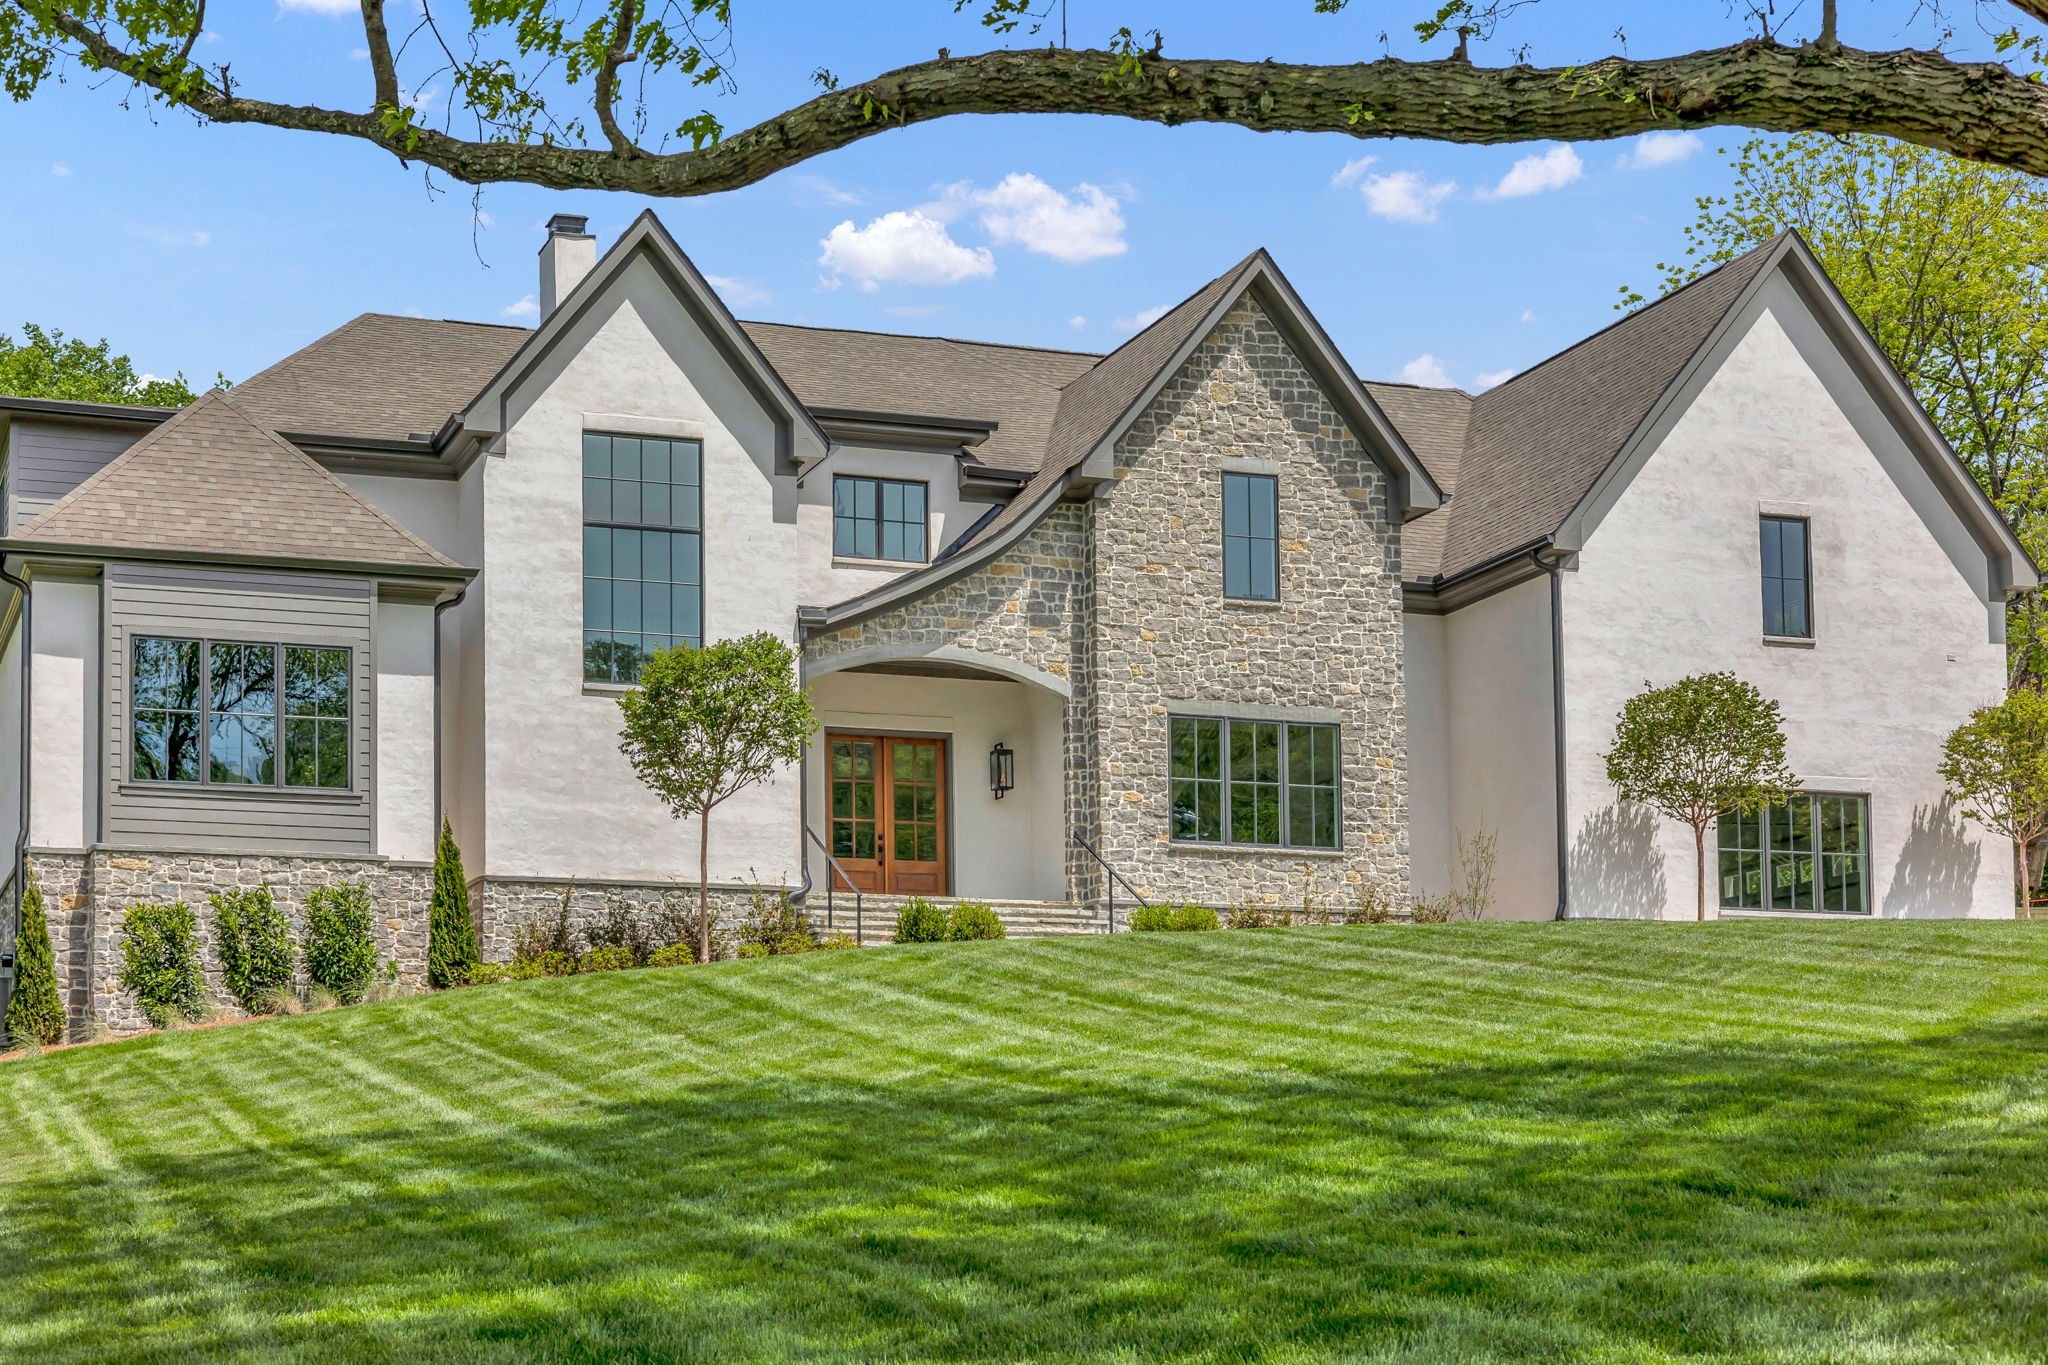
505, 905
88, 893
1167, 641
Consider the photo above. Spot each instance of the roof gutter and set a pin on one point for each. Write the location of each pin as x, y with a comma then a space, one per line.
98, 554
1546, 560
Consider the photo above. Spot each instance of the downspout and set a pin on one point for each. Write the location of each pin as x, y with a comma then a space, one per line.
1556, 570
18, 873
440, 739
803, 784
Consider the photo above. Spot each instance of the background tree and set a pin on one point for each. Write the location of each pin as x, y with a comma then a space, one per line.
34, 1009
578, 95
48, 364
1996, 767
1707, 745
705, 724
1946, 262
451, 928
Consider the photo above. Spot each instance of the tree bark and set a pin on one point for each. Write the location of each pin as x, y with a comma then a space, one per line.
704, 885
1699, 863
1978, 110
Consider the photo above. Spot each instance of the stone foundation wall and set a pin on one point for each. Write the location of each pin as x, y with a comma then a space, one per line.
87, 894
505, 905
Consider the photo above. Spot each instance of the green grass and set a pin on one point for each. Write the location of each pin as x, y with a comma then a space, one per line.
1750, 1141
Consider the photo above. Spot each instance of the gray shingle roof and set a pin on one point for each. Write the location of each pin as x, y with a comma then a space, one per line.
1433, 421
212, 482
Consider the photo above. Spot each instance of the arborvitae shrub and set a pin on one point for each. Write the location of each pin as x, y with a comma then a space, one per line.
160, 961
974, 920
919, 921
451, 929
254, 941
340, 953
35, 1010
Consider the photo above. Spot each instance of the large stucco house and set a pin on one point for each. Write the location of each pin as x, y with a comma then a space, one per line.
1206, 610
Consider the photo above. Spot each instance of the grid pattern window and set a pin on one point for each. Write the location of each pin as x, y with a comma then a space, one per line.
1788, 590
212, 713
1251, 537
643, 552
1811, 853
878, 519
1260, 782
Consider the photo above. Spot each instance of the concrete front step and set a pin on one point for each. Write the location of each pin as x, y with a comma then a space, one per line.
1022, 919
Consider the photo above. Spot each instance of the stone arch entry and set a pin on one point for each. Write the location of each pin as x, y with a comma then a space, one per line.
940, 661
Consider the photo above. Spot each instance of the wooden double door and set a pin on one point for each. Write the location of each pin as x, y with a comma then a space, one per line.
885, 798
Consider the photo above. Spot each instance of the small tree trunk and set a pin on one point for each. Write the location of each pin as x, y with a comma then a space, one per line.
2023, 850
1699, 862
704, 885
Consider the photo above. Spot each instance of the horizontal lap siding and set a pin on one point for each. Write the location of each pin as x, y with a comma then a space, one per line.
45, 463
259, 608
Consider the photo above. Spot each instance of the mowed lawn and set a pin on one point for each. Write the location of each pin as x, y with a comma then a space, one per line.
1746, 1141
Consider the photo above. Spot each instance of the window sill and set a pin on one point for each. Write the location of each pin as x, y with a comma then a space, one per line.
1264, 850
1792, 914
603, 689
1255, 603
1790, 641
892, 565
239, 793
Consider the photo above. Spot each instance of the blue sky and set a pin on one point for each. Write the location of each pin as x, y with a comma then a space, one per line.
223, 248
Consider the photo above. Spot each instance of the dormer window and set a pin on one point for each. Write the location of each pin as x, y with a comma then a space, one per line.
878, 519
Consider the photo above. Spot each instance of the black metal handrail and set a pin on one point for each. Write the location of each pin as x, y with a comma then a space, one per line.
832, 863
1114, 878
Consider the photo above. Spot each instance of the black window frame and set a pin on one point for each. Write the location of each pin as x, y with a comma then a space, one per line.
1749, 851
1256, 545
1282, 783
880, 520
1771, 525
608, 666
205, 714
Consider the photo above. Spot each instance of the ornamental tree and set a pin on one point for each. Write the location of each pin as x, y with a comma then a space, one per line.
610, 95
704, 724
451, 928
1707, 745
1996, 767
34, 1010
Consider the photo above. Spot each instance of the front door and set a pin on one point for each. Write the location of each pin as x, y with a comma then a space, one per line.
887, 801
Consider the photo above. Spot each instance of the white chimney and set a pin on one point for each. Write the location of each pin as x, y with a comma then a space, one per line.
565, 258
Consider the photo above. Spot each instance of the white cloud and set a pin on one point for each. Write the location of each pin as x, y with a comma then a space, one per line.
1406, 196
59, 169
322, 6
1023, 210
171, 237
1551, 170
419, 99
738, 293
484, 219
817, 187
1490, 379
902, 247
1077, 322
915, 310
1653, 150
1348, 174
526, 307
1528, 315
359, 54
1144, 318
1427, 371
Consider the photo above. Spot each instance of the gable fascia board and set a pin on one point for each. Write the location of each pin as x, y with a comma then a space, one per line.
30, 549
1416, 492
488, 414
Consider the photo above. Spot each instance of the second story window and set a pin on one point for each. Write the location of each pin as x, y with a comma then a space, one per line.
1788, 591
643, 553
1251, 537
878, 519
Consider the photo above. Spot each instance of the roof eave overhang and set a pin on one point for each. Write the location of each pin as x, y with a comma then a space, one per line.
14, 548
860, 426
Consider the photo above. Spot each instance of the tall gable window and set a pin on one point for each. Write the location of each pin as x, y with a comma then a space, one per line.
1788, 592
1811, 853
212, 713
643, 553
1251, 537
1252, 782
878, 519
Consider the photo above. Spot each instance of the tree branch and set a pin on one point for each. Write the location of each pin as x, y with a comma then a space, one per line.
606, 95
1977, 110
198, 27
383, 70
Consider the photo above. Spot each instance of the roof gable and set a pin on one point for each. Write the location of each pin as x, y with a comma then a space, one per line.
211, 483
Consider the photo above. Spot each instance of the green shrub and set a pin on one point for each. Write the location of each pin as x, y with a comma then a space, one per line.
750, 950
254, 941
774, 925
160, 962
547, 936
838, 943
621, 928
553, 964
340, 954
1435, 909
1372, 906
973, 920
919, 921
451, 929
1249, 917
1173, 919
610, 958
35, 1012
490, 973
674, 955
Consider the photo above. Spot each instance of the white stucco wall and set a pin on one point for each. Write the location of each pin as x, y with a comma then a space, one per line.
10, 738
404, 788
430, 508
64, 697
1502, 755
1669, 583
463, 774
559, 799
1429, 755
1009, 849
822, 579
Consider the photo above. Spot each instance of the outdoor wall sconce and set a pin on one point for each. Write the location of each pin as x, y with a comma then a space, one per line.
1002, 770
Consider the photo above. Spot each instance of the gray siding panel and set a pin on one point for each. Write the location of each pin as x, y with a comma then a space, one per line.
46, 462
260, 607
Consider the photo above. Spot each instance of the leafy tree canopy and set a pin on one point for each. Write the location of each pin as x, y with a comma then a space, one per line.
48, 364
613, 95
1996, 768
